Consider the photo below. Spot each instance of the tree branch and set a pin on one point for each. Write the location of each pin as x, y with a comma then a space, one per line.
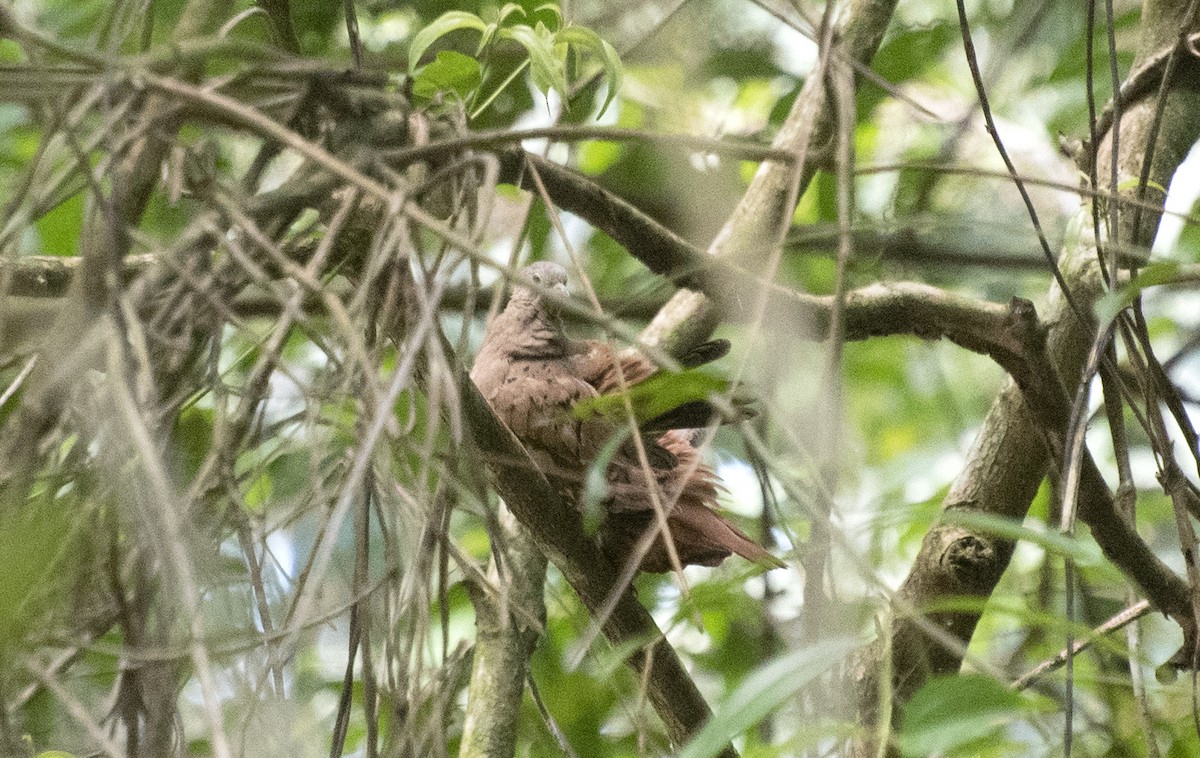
1009, 457
504, 641
104, 245
754, 230
535, 500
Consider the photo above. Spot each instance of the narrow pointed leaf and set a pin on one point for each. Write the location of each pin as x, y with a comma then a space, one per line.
450, 21
591, 43
545, 65
509, 9
765, 689
654, 396
554, 10
954, 711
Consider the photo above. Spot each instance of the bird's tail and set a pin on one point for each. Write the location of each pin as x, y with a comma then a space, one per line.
702, 528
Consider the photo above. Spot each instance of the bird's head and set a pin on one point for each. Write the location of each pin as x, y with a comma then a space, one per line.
540, 279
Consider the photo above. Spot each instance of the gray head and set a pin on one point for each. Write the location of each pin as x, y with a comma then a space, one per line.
530, 326
544, 273
538, 278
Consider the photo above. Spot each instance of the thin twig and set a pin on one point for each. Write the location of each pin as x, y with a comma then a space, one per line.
1119, 620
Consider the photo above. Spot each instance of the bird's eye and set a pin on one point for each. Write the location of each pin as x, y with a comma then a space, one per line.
537, 278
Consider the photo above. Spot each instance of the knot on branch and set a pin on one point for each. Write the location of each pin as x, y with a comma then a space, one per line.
1023, 324
970, 562
1024, 356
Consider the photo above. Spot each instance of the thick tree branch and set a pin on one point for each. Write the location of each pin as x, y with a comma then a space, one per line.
504, 641
877, 310
1010, 454
757, 224
535, 501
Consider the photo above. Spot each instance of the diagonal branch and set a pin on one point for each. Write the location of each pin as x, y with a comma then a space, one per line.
558, 529
754, 230
1010, 457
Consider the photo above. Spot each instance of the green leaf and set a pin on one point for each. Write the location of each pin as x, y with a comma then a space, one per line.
486, 38
553, 10
193, 437
54, 754
258, 496
449, 72
954, 711
507, 10
607, 662
546, 65
591, 42
1159, 272
655, 396
1133, 182
594, 158
449, 21
59, 229
764, 690
39, 551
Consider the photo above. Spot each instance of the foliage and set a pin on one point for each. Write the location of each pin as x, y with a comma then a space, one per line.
239, 492
547, 46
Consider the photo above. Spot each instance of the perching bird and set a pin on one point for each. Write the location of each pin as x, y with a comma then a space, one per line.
533, 375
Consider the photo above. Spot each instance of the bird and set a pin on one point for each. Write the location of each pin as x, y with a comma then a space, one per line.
535, 379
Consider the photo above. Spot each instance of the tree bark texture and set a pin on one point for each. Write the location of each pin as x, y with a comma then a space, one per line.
509, 617
1009, 458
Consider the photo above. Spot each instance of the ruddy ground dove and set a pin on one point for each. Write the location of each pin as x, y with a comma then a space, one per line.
533, 375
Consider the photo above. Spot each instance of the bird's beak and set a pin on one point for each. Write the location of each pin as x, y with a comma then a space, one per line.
557, 295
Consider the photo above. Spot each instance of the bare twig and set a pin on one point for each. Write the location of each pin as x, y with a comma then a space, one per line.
1119, 620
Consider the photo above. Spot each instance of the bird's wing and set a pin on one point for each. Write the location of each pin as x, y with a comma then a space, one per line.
688, 493
598, 364
686, 394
